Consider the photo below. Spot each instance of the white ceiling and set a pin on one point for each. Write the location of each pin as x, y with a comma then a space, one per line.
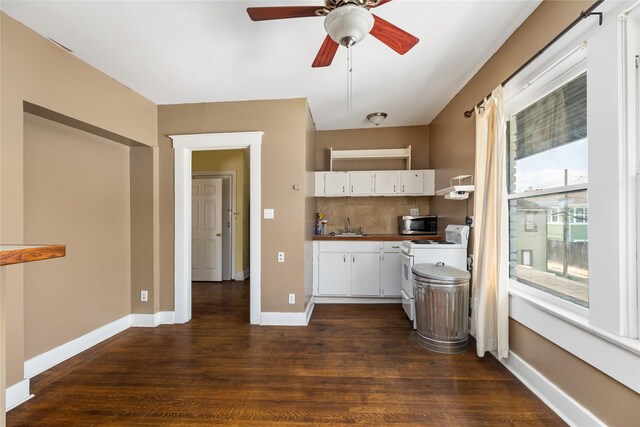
176, 52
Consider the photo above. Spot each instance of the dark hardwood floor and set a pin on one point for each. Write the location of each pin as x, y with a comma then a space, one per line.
356, 364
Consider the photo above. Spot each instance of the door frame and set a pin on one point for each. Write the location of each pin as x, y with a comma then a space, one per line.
232, 176
184, 145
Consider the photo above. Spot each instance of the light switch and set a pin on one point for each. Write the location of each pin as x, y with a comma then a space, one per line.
269, 214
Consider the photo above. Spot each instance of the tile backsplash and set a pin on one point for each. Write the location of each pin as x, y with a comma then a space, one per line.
376, 215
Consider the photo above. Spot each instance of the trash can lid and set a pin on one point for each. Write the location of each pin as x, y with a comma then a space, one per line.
440, 271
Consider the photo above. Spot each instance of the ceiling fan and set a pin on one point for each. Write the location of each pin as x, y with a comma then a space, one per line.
347, 22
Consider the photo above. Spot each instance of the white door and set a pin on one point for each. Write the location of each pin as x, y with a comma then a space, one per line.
365, 274
333, 277
412, 182
206, 232
386, 182
360, 183
336, 183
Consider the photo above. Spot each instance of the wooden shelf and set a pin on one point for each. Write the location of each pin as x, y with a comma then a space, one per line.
384, 153
17, 254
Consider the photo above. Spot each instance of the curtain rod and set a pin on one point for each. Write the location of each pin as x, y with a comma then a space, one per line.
583, 15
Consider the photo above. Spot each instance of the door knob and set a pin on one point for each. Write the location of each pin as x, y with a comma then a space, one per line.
218, 234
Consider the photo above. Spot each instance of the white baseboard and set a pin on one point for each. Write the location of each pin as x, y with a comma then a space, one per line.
309, 310
355, 300
152, 320
17, 393
44, 361
572, 412
300, 318
49, 359
242, 275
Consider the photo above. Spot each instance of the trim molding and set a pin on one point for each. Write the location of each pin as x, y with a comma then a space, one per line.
355, 300
572, 412
242, 275
17, 394
152, 320
615, 356
184, 146
299, 318
51, 358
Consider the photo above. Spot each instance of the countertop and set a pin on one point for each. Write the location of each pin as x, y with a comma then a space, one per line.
380, 237
17, 254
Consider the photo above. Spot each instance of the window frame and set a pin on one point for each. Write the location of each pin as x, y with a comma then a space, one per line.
604, 335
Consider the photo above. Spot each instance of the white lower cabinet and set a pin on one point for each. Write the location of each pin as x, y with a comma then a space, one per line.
334, 269
365, 274
391, 269
357, 269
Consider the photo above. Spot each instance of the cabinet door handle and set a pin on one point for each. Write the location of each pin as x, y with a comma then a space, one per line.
394, 188
344, 258
403, 188
395, 247
353, 257
343, 189
352, 188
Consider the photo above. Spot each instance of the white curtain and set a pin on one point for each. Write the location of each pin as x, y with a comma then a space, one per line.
490, 314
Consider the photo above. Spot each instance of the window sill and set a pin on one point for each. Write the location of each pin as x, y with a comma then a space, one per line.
616, 356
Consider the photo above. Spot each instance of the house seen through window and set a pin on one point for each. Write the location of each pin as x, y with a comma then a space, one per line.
547, 183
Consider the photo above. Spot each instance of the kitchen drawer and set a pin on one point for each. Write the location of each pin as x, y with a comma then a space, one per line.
391, 246
341, 246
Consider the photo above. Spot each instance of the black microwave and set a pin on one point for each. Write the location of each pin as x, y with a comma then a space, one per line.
422, 224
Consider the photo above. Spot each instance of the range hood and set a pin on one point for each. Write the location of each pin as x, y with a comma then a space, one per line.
458, 189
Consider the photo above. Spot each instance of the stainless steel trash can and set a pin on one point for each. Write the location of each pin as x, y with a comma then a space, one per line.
441, 295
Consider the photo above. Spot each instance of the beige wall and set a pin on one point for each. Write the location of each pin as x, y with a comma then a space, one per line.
68, 297
38, 71
452, 150
283, 165
358, 139
228, 160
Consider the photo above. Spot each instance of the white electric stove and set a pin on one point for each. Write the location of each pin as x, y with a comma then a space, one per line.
452, 251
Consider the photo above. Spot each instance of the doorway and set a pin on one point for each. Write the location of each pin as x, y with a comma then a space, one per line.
184, 146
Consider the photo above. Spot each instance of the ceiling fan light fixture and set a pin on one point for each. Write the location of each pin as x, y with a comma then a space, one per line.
377, 117
349, 24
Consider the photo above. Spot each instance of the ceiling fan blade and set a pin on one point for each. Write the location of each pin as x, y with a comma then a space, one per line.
281, 12
326, 53
381, 3
397, 39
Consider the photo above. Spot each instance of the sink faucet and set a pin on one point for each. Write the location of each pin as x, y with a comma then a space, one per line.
348, 230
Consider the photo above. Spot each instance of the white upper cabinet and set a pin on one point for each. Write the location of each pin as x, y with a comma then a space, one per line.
385, 183
375, 183
360, 183
412, 182
335, 183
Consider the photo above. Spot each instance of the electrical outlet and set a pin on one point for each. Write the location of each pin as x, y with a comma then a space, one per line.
269, 214
280, 256
144, 296
292, 298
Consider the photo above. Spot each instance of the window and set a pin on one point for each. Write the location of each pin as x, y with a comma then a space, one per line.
582, 289
530, 221
548, 193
